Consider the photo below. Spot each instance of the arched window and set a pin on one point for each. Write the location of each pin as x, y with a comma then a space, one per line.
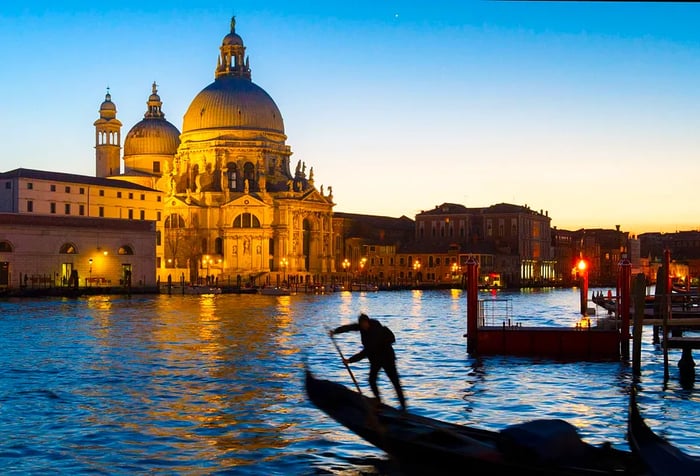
125, 250
68, 249
249, 175
5, 247
219, 246
232, 178
174, 221
246, 220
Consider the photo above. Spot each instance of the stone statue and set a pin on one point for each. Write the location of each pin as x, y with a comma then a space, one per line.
223, 179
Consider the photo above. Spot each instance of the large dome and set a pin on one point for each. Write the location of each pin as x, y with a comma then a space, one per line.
152, 137
233, 102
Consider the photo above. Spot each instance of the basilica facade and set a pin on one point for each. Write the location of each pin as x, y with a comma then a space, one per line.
234, 205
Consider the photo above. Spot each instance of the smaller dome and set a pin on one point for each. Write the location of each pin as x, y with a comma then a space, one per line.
232, 39
152, 136
108, 110
108, 105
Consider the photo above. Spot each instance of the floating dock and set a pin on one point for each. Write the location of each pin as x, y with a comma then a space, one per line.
582, 342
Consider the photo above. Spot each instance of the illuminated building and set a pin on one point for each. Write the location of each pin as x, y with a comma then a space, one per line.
230, 192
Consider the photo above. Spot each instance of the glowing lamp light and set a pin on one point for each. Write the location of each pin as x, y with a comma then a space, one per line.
582, 265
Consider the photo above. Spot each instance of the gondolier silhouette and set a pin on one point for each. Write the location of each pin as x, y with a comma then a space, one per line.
377, 341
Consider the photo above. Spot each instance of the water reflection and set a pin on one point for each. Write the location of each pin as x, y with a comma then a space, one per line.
210, 384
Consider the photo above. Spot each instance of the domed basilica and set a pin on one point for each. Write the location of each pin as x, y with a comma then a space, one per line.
232, 207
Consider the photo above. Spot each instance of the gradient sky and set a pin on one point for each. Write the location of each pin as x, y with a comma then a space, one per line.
589, 111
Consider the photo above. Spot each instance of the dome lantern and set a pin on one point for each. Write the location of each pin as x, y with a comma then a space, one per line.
232, 61
154, 105
233, 100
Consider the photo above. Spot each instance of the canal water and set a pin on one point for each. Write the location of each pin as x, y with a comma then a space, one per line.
214, 384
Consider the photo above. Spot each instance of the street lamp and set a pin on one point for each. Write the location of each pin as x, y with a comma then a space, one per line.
283, 264
90, 271
416, 268
455, 269
346, 265
207, 261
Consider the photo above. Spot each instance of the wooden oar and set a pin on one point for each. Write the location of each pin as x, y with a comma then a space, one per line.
371, 414
345, 363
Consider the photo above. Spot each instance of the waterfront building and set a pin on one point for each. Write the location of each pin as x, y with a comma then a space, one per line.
221, 194
512, 243
566, 256
233, 208
39, 192
365, 246
604, 250
44, 251
684, 247
37, 204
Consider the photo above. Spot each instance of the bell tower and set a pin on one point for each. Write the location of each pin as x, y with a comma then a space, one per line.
107, 140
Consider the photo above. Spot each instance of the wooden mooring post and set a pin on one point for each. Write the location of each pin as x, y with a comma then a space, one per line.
638, 296
472, 304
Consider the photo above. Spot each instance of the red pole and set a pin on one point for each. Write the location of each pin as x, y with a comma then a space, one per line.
625, 303
472, 304
583, 271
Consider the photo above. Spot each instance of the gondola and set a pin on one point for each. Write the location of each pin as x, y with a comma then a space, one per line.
422, 445
660, 456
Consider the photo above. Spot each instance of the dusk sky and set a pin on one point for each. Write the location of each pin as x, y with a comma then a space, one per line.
589, 111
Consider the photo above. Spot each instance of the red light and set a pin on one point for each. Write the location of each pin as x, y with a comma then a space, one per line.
582, 265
